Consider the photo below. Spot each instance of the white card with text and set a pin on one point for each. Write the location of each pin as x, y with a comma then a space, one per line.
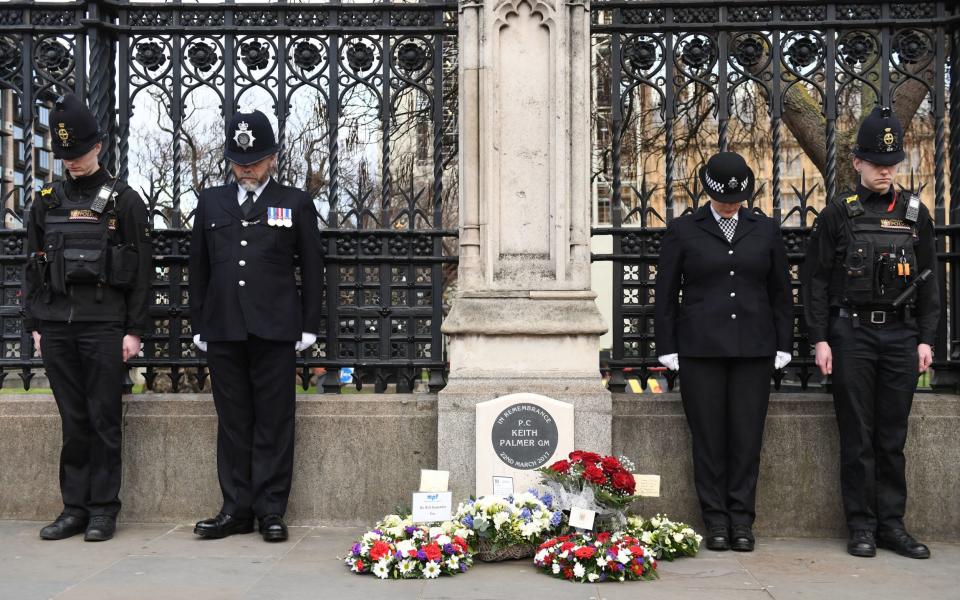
502, 486
648, 485
432, 507
582, 518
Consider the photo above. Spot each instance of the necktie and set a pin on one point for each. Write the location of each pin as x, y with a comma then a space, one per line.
728, 225
247, 206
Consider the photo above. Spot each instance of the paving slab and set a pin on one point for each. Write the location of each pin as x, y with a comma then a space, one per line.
164, 562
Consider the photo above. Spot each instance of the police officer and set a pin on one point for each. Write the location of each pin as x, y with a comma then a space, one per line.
868, 248
85, 289
248, 316
731, 329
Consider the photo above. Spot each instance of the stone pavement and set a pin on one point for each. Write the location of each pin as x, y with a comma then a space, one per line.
154, 562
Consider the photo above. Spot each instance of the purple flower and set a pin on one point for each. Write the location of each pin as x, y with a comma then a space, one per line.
409, 529
603, 576
378, 532
463, 568
399, 555
467, 521
556, 518
448, 549
421, 555
356, 549
525, 513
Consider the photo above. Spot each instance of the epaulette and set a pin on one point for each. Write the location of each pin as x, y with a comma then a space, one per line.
50, 195
851, 203
913, 209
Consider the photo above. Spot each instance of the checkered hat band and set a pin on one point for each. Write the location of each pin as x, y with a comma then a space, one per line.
720, 188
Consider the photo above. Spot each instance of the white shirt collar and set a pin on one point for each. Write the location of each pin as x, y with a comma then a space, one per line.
242, 193
718, 216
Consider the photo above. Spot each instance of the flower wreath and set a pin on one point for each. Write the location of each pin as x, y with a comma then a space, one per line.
399, 549
589, 558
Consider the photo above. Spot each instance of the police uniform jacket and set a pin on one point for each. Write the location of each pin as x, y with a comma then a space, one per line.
736, 298
126, 224
242, 270
827, 247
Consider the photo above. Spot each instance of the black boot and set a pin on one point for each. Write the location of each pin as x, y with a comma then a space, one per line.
63, 527
903, 544
101, 528
862, 543
223, 525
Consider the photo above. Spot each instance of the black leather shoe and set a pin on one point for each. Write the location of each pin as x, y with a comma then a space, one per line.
273, 529
741, 538
222, 525
903, 544
718, 538
862, 543
63, 527
101, 528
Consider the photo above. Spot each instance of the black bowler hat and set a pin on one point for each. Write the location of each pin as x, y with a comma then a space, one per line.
727, 178
74, 128
880, 138
249, 138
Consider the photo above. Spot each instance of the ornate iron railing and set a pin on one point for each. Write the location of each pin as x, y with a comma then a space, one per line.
784, 83
364, 99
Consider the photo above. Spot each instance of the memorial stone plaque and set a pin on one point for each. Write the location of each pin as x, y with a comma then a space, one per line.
519, 433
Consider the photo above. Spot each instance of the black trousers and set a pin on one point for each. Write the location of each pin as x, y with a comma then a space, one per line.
725, 400
254, 390
874, 379
84, 362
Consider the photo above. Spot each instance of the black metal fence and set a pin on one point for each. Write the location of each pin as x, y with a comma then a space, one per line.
364, 99
784, 83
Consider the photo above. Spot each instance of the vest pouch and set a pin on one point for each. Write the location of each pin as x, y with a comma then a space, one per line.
84, 265
123, 266
53, 249
859, 269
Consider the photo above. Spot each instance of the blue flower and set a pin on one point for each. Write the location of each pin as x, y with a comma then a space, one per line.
556, 518
525, 513
467, 521
547, 500
448, 549
534, 491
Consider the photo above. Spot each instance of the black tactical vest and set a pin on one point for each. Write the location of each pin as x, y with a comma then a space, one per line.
79, 246
880, 258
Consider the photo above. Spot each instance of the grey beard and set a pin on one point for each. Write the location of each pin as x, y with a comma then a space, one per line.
250, 186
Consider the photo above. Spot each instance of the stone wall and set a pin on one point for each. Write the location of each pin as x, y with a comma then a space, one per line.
359, 457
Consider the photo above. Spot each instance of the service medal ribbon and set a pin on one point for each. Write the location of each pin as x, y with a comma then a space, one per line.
287, 217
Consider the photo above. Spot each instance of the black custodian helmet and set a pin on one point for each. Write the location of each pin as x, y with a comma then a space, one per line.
727, 178
250, 138
880, 138
73, 127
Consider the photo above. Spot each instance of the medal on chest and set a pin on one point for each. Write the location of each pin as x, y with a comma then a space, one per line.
279, 217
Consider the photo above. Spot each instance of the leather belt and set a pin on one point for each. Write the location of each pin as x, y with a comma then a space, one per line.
873, 317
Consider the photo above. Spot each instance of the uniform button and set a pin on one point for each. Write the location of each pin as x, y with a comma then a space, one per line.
242, 283
733, 316
244, 223
731, 273
729, 251
242, 263
244, 243
732, 294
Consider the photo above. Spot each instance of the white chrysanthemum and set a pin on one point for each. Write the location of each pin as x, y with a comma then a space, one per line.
435, 531
499, 519
443, 539
578, 570
381, 569
686, 531
431, 570
370, 537
592, 577
601, 562
524, 498
678, 537
556, 568
405, 546
541, 554
655, 522
406, 566
623, 556
529, 530
453, 562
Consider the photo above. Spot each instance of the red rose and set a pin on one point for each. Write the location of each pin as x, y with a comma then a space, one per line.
636, 551
595, 475
603, 537
561, 466
623, 481
432, 551
566, 546
576, 456
610, 464
547, 544
460, 543
591, 457
568, 573
584, 552
359, 565
379, 550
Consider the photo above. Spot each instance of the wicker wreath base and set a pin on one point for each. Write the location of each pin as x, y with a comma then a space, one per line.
486, 552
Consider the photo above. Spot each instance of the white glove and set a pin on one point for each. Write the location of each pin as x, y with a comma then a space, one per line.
783, 359
201, 345
306, 340
670, 361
